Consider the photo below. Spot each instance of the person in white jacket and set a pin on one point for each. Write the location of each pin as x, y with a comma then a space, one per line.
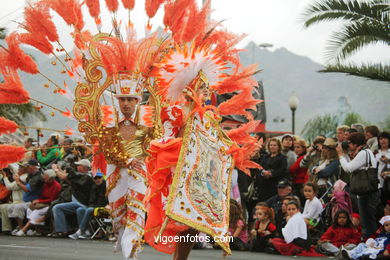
16, 195
367, 203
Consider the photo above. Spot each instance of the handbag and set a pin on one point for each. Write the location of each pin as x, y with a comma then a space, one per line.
364, 181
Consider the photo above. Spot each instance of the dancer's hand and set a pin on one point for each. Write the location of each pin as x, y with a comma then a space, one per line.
136, 165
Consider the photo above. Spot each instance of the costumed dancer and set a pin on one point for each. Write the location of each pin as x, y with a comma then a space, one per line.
189, 166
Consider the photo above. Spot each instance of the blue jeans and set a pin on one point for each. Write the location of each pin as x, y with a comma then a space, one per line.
367, 210
83, 217
59, 212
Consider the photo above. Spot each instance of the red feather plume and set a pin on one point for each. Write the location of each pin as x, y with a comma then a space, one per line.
39, 23
152, 6
10, 154
7, 126
93, 7
241, 135
238, 104
128, 4
18, 59
69, 10
112, 5
12, 91
98, 160
41, 44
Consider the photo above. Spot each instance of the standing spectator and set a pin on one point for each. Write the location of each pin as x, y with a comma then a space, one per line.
288, 149
274, 169
328, 170
371, 133
348, 132
81, 183
312, 157
38, 208
359, 127
97, 199
49, 152
31, 191
16, 195
367, 203
299, 174
340, 133
383, 158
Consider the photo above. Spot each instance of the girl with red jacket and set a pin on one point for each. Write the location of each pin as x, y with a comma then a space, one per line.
341, 233
298, 174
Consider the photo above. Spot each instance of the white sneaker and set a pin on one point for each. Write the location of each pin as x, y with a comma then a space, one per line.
14, 231
74, 236
30, 233
20, 233
85, 236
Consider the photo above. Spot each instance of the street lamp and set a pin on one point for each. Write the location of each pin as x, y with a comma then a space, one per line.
293, 102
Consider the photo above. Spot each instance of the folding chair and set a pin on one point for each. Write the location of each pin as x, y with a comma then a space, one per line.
102, 218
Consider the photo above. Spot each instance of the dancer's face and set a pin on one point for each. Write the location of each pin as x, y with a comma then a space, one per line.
127, 105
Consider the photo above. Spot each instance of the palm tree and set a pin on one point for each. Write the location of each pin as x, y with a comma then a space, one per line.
365, 23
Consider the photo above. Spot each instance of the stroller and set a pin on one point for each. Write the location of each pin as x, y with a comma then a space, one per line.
340, 199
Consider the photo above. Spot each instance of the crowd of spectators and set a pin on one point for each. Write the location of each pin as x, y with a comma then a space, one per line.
298, 203
52, 191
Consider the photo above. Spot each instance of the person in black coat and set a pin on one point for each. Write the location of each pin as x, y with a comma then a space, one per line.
97, 198
274, 169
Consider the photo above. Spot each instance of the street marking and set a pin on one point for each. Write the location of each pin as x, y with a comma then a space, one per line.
31, 247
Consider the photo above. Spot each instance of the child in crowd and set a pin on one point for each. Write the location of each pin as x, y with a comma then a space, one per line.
237, 227
281, 216
313, 206
372, 247
295, 233
264, 228
341, 233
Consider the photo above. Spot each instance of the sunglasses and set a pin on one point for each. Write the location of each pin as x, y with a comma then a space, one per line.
97, 177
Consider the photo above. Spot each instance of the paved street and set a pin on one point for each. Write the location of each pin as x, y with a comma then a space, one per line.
37, 248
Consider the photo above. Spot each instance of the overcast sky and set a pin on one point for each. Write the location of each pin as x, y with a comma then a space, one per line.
278, 22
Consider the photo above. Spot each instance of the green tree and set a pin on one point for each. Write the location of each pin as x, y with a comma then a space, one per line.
385, 124
321, 125
354, 118
21, 114
364, 23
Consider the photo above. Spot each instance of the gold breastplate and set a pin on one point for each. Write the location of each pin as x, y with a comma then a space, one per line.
117, 150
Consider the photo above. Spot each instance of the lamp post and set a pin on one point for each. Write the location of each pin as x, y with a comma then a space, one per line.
293, 102
38, 125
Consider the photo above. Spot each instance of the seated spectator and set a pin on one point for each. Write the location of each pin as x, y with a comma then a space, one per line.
341, 234
237, 227
263, 230
49, 152
299, 174
371, 132
97, 199
372, 247
81, 183
16, 195
31, 191
295, 234
313, 206
38, 208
